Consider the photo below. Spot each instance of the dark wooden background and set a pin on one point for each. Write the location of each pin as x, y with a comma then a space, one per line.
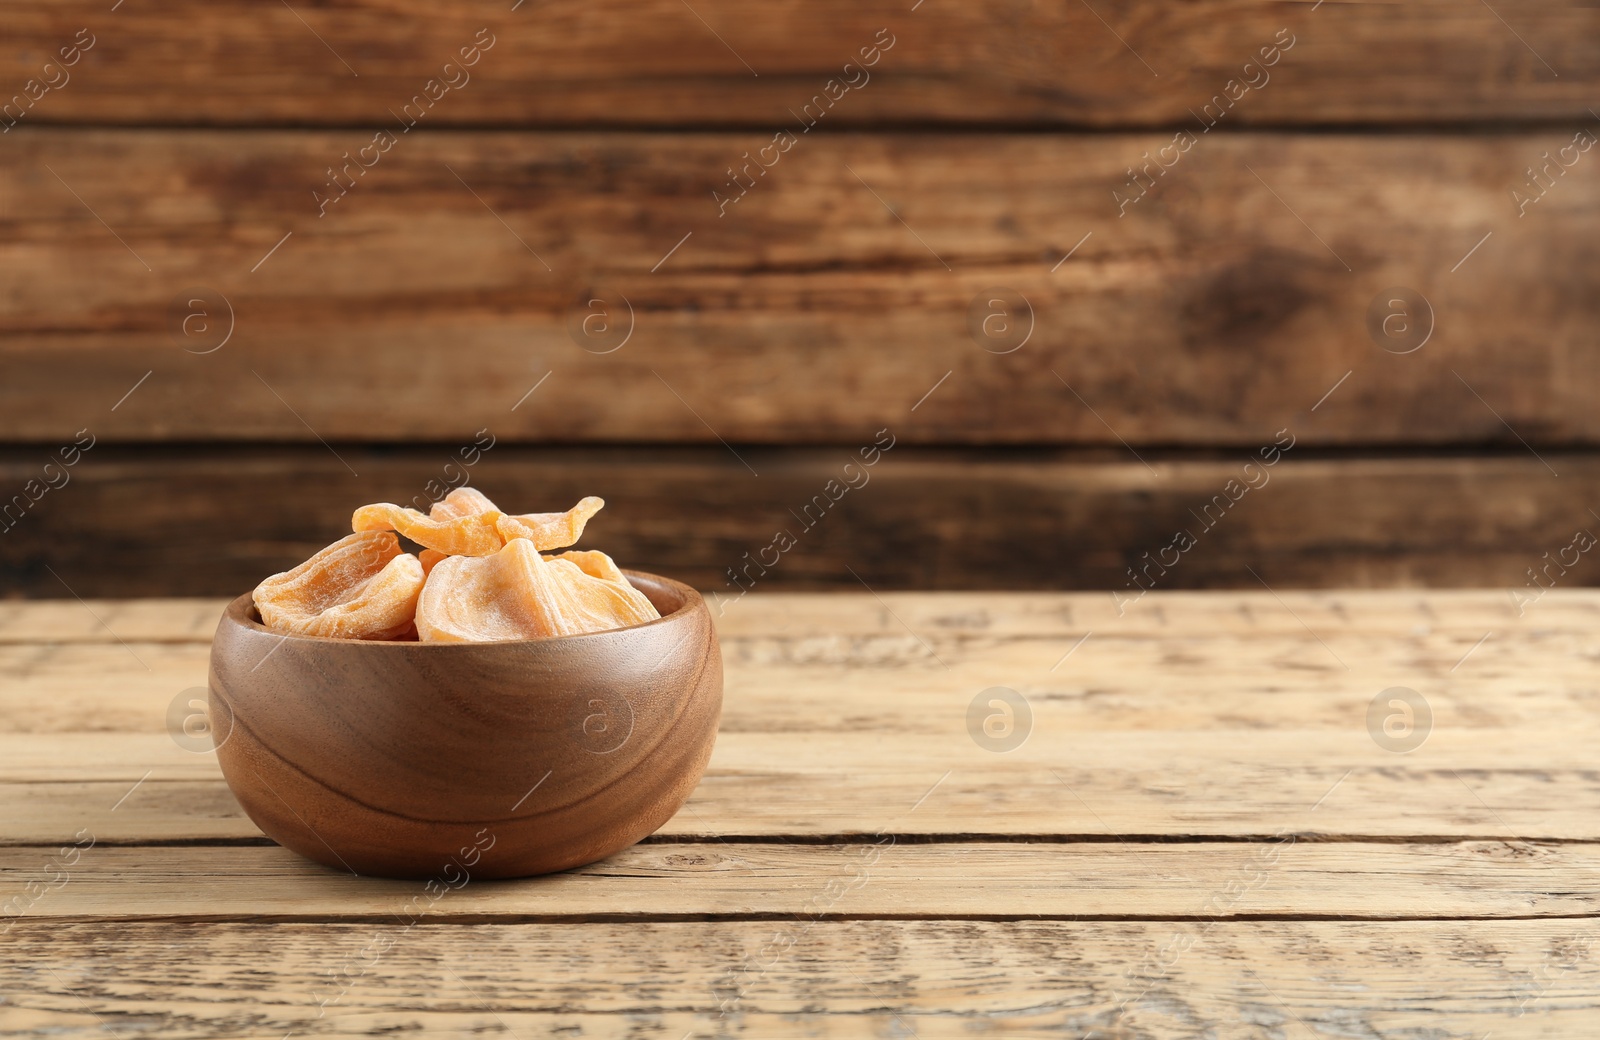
373, 342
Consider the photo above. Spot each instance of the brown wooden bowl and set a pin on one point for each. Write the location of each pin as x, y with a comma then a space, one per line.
499, 759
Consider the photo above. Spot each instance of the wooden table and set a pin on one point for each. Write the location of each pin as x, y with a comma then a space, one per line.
1200, 836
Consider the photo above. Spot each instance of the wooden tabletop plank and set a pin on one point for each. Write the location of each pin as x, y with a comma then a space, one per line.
1205, 314
900, 684
842, 616
1461, 783
1189, 715
653, 63
1454, 887
70, 620
882, 878
905, 685
1515, 980
1100, 673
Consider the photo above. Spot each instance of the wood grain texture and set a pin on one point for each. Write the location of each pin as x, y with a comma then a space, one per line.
169, 620
830, 979
1192, 881
1228, 715
199, 521
1174, 743
798, 684
655, 63
1233, 783
1228, 784
1189, 715
1446, 614
438, 292
910, 653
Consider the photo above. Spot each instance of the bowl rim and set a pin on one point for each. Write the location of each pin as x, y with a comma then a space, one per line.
241, 608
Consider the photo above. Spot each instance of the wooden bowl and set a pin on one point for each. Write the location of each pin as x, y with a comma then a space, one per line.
499, 759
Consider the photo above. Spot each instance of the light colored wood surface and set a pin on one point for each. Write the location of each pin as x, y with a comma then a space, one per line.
1214, 842
1229, 784
872, 877
1297, 980
1439, 614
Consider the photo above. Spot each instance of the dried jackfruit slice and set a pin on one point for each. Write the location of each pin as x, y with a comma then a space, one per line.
472, 534
551, 530
598, 565
518, 594
360, 587
594, 563
430, 558
463, 501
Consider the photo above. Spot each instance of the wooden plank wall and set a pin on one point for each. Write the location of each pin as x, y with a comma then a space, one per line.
394, 218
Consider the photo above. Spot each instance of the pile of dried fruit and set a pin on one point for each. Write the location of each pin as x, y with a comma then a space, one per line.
481, 576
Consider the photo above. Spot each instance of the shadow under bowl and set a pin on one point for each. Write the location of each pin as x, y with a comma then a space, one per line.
503, 759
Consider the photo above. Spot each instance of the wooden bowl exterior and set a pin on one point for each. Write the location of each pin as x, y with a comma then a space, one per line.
494, 759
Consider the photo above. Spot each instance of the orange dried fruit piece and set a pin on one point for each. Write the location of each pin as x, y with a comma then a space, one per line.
551, 530
469, 534
600, 567
360, 587
519, 594
430, 558
463, 501
594, 563
616, 601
